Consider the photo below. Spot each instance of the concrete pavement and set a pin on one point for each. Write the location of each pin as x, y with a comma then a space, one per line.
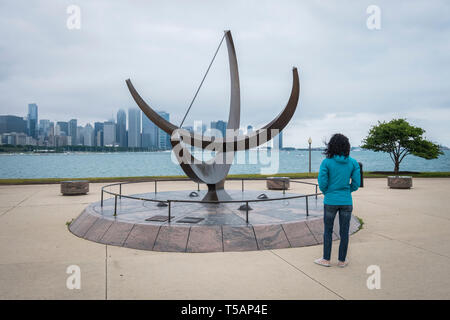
406, 233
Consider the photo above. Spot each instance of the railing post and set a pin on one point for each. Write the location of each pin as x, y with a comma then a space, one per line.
120, 190
246, 212
169, 209
156, 186
307, 206
242, 182
316, 191
284, 187
115, 205
102, 199
198, 186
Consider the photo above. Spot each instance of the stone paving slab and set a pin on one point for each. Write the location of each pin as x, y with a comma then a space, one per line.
239, 239
142, 237
205, 239
299, 235
117, 233
98, 229
316, 228
271, 237
172, 239
82, 224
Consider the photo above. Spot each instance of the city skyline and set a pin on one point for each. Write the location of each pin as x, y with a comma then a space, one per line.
109, 133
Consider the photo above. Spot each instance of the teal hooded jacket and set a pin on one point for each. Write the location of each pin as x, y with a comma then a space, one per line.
338, 178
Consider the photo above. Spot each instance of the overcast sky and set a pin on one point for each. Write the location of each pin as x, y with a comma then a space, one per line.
350, 76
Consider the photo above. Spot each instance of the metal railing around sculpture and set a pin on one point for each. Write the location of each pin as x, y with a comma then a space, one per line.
168, 202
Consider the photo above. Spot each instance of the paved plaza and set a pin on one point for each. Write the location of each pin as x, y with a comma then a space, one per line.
406, 234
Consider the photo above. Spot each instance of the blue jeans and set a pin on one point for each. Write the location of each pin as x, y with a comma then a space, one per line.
329, 213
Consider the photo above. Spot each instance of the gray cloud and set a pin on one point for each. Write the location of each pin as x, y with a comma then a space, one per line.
350, 76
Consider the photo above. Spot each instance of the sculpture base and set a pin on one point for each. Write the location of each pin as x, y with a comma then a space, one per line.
203, 227
216, 192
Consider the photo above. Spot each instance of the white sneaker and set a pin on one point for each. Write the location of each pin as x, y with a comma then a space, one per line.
322, 262
342, 264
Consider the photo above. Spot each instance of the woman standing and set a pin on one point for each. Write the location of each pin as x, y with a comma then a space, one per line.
339, 176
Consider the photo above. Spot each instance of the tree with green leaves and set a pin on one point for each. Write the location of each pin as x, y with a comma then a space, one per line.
398, 138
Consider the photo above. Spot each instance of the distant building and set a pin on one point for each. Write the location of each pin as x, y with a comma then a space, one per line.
62, 128
249, 129
80, 137
12, 124
88, 135
98, 134
32, 120
163, 137
44, 126
51, 128
109, 133
121, 128
134, 128
72, 131
61, 141
149, 134
14, 138
220, 126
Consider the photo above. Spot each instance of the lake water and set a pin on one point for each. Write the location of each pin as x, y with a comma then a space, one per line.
83, 165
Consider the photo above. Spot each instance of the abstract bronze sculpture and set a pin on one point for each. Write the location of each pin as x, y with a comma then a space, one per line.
180, 222
214, 173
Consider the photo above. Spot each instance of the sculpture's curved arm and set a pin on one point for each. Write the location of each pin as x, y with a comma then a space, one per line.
231, 143
203, 141
260, 136
162, 123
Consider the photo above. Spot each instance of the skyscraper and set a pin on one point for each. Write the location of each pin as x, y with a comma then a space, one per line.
88, 135
72, 131
163, 137
134, 128
149, 134
220, 126
98, 134
32, 120
121, 128
62, 128
109, 133
51, 128
12, 124
44, 127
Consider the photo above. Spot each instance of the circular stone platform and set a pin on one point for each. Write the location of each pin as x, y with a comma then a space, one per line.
199, 227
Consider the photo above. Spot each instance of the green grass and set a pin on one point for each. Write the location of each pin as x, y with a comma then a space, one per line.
298, 175
68, 223
361, 223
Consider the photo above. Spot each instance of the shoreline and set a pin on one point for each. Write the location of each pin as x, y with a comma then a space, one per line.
298, 175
